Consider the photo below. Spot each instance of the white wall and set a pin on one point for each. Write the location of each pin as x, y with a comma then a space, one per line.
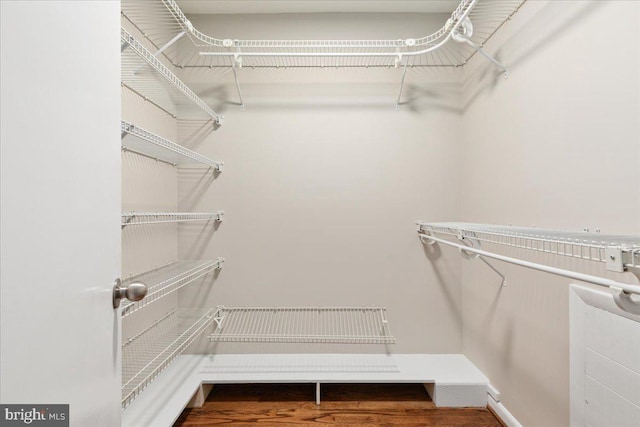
555, 146
323, 181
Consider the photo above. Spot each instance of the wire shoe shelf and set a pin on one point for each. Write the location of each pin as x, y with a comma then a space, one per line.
147, 218
167, 279
162, 20
140, 141
341, 325
143, 73
147, 354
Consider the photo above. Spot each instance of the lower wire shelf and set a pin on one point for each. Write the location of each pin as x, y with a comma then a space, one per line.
341, 325
147, 354
167, 279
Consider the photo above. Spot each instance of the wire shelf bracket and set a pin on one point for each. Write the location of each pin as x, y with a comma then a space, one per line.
140, 141
165, 280
147, 218
619, 253
340, 325
147, 86
148, 354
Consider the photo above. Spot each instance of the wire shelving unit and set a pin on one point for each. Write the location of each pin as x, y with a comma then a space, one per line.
619, 253
167, 279
147, 218
583, 245
163, 23
145, 74
342, 325
147, 354
140, 141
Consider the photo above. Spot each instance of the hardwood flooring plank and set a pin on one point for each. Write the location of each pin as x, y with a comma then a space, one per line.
343, 405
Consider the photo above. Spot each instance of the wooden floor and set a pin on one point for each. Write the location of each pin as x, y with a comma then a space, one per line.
342, 405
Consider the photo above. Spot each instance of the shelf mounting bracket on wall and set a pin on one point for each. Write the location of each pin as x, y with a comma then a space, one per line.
163, 48
463, 35
470, 242
236, 64
404, 73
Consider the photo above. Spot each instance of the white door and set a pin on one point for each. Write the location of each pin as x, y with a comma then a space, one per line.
60, 207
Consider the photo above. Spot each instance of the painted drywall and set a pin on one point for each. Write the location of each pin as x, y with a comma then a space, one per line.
554, 146
322, 184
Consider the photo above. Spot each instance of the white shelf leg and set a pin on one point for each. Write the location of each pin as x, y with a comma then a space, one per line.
200, 396
317, 393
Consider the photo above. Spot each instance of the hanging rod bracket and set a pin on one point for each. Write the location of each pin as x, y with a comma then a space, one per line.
625, 301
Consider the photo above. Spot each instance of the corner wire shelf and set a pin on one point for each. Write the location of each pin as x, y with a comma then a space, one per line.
140, 141
167, 279
342, 325
143, 73
147, 354
163, 23
146, 218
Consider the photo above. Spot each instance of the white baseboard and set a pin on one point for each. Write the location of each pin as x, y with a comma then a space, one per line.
501, 411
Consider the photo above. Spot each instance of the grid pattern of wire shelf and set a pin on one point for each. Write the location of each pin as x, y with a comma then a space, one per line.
583, 245
146, 218
343, 325
161, 20
147, 354
138, 140
146, 75
167, 279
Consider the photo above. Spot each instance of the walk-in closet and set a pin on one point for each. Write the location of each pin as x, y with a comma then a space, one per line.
298, 212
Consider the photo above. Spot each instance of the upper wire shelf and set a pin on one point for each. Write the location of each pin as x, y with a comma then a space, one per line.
144, 218
583, 245
138, 140
147, 354
145, 74
343, 325
167, 279
163, 23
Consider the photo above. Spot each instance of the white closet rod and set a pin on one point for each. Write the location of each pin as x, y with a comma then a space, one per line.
601, 281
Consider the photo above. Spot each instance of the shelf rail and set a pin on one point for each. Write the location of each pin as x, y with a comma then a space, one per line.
620, 253
138, 140
341, 325
147, 218
148, 354
165, 280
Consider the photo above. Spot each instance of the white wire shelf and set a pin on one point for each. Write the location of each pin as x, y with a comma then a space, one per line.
342, 325
140, 141
146, 218
145, 74
162, 20
167, 279
583, 245
147, 354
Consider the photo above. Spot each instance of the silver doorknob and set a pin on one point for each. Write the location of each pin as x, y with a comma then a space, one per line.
133, 292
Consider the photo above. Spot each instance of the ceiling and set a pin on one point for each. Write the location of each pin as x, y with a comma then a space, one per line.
315, 6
